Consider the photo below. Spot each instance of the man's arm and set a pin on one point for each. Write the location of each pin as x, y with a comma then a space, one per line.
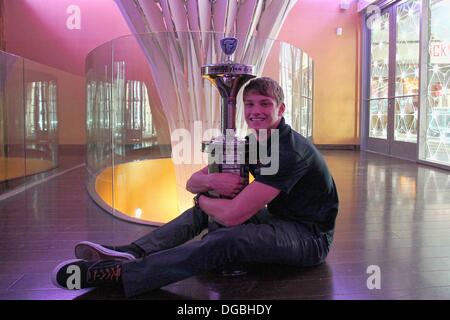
238, 210
225, 184
199, 182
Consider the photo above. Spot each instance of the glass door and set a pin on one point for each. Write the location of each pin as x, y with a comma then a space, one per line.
434, 140
393, 95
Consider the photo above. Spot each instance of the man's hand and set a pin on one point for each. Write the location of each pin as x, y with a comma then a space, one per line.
225, 184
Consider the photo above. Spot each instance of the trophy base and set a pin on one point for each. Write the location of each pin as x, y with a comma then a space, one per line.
234, 271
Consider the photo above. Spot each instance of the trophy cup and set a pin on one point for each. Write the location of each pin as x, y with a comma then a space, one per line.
227, 153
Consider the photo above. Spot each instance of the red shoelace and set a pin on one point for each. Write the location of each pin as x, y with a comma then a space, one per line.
104, 274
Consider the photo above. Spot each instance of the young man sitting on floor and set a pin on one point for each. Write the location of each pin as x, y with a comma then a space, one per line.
287, 217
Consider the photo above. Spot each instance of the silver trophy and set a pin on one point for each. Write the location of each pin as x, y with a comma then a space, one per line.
228, 152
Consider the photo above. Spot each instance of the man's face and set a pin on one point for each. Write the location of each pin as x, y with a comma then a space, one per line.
262, 112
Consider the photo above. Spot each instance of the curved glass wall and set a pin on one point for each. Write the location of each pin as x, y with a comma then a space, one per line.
28, 121
145, 94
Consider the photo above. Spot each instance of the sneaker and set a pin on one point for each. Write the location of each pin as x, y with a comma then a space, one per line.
79, 274
91, 251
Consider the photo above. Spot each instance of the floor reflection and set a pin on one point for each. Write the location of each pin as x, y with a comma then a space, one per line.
394, 214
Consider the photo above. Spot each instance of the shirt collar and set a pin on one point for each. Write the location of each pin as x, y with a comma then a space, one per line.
282, 125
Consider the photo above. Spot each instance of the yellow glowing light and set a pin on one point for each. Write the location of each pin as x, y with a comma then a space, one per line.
149, 185
145, 190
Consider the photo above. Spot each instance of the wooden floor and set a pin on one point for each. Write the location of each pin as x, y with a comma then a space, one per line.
393, 214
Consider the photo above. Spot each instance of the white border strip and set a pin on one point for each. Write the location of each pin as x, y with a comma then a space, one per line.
33, 184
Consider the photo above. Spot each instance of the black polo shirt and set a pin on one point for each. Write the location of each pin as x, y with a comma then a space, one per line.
308, 192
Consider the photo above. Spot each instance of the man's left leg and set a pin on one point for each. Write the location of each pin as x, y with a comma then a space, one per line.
177, 231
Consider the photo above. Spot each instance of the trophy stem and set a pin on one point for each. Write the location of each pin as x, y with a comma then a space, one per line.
228, 121
231, 119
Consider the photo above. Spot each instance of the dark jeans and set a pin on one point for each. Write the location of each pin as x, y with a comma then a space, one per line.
262, 239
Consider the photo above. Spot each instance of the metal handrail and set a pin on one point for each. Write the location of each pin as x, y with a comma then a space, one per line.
394, 97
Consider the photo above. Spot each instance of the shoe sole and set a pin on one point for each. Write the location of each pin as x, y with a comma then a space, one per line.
90, 251
57, 268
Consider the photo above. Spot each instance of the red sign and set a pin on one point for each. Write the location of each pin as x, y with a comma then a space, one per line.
439, 52
439, 49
